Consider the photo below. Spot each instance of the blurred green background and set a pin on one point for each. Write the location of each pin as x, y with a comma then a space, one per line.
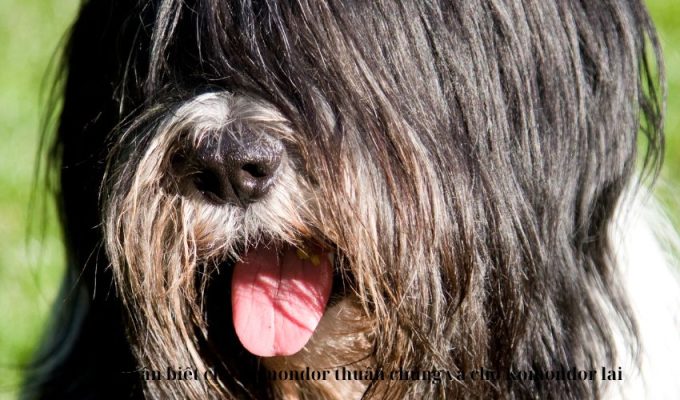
31, 261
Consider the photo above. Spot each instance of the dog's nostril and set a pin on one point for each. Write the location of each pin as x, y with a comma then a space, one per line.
252, 171
255, 170
208, 183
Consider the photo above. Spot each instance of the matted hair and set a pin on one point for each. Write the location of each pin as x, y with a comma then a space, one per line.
463, 158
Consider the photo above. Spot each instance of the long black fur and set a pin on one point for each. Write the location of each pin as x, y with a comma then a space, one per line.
528, 110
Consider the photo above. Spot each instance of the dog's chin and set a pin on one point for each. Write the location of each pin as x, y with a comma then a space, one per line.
276, 293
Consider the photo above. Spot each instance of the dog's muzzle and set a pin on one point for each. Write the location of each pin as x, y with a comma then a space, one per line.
279, 290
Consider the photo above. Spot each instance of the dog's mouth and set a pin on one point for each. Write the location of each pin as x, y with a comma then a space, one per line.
279, 293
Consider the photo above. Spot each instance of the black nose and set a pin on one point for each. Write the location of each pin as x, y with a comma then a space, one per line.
229, 169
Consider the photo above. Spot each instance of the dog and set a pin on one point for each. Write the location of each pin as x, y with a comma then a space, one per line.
343, 199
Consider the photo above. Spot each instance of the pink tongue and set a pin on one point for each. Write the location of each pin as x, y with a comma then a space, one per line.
277, 300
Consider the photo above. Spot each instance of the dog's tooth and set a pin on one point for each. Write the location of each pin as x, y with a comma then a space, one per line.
301, 254
331, 258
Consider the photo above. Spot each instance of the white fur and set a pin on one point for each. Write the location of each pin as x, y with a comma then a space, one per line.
645, 241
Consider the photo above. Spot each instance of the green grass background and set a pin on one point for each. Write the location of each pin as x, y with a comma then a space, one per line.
32, 261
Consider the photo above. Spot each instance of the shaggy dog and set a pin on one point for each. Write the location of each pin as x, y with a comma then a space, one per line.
348, 199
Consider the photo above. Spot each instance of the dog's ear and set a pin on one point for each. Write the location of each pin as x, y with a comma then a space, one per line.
98, 93
85, 352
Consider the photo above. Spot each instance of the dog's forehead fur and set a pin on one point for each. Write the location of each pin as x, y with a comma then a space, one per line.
464, 158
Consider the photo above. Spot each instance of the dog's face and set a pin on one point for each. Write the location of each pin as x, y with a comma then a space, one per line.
384, 185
